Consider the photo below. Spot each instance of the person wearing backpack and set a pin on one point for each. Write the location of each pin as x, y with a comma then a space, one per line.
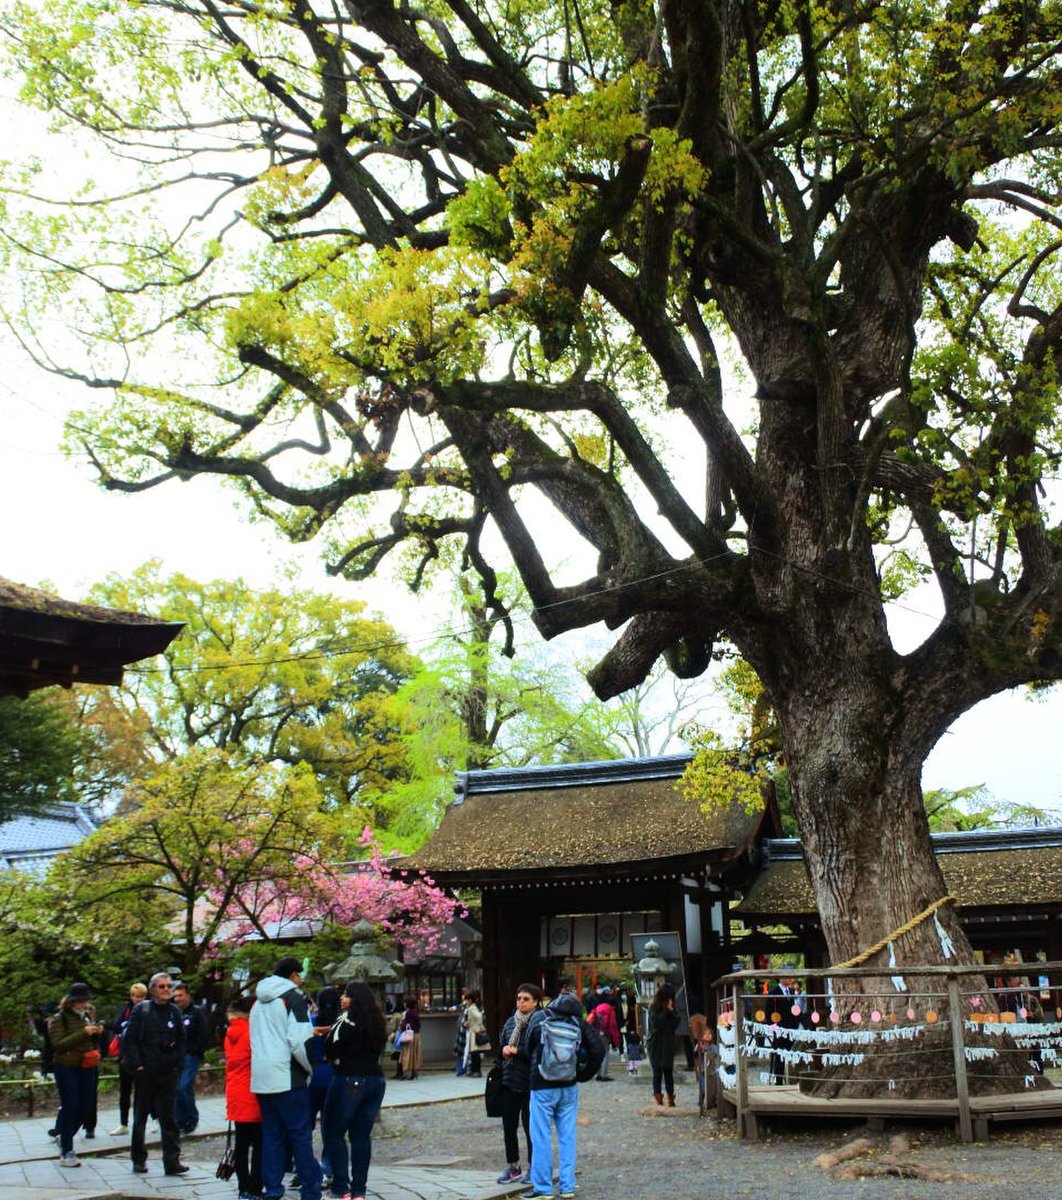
562, 1050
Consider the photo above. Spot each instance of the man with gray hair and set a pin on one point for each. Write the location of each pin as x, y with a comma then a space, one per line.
152, 1053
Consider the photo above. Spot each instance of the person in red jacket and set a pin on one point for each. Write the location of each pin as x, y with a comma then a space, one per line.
241, 1104
603, 1019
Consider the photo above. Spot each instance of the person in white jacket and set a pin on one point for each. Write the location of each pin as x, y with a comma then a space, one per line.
280, 1070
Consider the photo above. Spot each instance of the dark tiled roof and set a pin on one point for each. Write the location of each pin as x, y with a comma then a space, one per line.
545, 819
1014, 875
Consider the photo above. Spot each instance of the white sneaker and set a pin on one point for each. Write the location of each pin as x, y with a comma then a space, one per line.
118, 1130
69, 1159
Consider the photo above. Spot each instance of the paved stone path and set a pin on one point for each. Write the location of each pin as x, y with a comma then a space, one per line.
29, 1167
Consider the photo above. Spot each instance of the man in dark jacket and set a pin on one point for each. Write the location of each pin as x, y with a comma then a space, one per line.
195, 1043
555, 1094
792, 1009
153, 1052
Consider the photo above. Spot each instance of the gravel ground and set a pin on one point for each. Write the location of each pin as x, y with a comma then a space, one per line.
623, 1152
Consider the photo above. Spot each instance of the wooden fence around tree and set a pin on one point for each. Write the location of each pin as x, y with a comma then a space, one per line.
780, 1053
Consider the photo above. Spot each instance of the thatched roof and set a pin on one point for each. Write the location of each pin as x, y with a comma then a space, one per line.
46, 640
579, 819
1012, 868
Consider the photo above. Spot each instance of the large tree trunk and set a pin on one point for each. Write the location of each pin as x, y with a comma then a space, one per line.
855, 777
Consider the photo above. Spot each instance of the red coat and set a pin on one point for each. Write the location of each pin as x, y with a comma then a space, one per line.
240, 1102
604, 1019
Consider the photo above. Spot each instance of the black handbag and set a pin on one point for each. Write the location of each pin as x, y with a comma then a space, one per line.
227, 1166
492, 1093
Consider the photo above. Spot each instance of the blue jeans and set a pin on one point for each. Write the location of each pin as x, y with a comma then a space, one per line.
558, 1106
185, 1111
77, 1100
286, 1116
350, 1109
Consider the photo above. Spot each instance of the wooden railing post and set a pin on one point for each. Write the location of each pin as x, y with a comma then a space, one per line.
742, 1079
958, 1046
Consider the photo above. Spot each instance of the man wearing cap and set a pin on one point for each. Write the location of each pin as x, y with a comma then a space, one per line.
280, 1071
153, 1053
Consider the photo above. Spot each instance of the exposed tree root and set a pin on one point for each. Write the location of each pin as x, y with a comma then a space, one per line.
866, 1158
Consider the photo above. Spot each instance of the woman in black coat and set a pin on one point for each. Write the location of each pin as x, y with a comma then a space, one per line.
353, 1046
663, 1022
516, 1080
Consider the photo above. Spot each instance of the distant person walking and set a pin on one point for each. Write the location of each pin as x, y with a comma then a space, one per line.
409, 1040
603, 1019
75, 1036
477, 1040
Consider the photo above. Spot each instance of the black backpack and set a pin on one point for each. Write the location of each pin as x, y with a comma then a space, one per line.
592, 1050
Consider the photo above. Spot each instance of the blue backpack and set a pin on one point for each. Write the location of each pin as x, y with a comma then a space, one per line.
559, 1040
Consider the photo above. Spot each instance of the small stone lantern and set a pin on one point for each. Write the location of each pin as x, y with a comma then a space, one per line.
650, 972
363, 962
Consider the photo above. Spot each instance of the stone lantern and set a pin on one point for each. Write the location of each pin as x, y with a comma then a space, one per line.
649, 973
364, 962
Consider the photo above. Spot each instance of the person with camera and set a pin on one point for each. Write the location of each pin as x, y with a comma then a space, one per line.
153, 1053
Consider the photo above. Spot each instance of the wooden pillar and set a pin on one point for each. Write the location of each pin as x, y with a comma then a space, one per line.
958, 1045
514, 952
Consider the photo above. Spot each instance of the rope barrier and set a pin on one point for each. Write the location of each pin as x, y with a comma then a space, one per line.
906, 927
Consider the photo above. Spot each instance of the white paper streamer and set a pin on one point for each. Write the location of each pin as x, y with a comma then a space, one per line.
978, 1053
843, 1060
1020, 1031
898, 981
947, 946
